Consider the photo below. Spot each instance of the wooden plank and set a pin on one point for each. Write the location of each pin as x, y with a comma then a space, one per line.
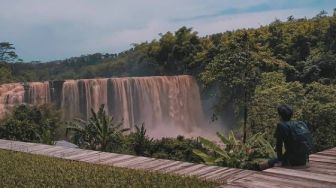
79, 152
75, 152
46, 150
290, 180
117, 159
87, 156
204, 171
230, 186
322, 157
134, 164
321, 165
332, 162
267, 180
328, 154
320, 170
189, 170
165, 165
252, 183
241, 174
80, 156
4, 143
64, 153
178, 167
226, 176
332, 153
218, 170
302, 174
152, 164
332, 149
131, 163
17, 146
101, 157
217, 176
32, 149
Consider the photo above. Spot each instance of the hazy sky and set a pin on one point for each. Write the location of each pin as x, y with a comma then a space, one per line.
56, 29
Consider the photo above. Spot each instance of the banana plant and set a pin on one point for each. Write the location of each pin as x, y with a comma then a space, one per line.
96, 133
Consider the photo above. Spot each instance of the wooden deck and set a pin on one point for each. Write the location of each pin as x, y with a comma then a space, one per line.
321, 171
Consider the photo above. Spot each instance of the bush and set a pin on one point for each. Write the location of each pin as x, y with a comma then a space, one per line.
32, 124
235, 153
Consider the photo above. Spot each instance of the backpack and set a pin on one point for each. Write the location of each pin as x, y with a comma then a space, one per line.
302, 143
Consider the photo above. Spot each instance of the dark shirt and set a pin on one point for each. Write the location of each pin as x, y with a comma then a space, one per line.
282, 135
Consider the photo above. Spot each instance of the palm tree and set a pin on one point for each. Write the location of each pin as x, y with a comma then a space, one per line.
98, 132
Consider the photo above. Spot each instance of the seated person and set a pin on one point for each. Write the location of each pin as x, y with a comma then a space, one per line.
296, 137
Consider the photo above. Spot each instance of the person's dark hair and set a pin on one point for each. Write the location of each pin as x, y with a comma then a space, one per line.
285, 112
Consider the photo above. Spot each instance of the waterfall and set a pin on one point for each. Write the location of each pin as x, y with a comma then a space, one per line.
38, 93
10, 95
159, 101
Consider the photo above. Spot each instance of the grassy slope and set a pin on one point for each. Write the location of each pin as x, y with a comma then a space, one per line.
27, 170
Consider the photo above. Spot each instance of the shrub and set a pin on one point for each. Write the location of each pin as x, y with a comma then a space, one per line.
235, 153
32, 124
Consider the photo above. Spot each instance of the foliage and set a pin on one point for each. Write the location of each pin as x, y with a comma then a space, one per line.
179, 148
140, 143
32, 124
27, 170
319, 112
313, 103
5, 73
235, 153
272, 91
99, 132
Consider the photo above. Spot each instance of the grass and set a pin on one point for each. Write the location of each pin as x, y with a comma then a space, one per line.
28, 170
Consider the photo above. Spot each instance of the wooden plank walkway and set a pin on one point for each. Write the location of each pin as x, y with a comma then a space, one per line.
321, 171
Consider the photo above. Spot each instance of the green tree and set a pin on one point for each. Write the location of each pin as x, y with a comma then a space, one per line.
7, 53
236, 70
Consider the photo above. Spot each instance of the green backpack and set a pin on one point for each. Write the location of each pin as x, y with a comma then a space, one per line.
302, 143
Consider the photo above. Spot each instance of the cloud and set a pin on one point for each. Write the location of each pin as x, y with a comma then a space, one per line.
47, 30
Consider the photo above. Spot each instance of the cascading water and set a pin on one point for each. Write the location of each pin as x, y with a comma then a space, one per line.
159, 102
38, 93
10, 95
